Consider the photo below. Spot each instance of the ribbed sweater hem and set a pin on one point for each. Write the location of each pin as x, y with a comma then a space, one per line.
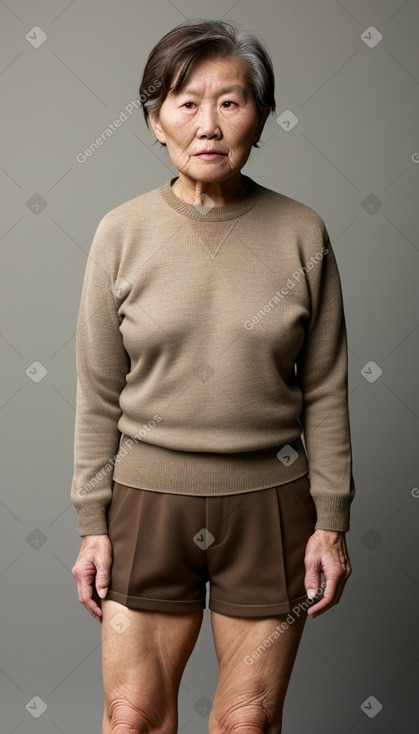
147, 466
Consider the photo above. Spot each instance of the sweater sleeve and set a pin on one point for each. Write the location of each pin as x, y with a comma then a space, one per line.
322, 373
102, 365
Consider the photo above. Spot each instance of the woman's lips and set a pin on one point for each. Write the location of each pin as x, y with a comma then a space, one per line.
209, 156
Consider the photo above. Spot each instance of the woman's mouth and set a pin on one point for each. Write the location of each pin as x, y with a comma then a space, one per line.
209, 156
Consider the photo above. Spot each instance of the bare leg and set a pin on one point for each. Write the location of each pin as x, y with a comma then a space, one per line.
253, 676
144, 654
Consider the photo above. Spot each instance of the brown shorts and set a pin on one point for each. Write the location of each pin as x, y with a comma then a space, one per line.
249, 547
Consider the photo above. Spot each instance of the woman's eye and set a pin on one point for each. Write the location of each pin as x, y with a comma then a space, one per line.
227, 102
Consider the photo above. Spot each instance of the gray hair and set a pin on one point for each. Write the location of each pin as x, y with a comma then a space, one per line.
182, 48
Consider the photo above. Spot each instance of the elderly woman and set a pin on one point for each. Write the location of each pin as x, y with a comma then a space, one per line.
211, 335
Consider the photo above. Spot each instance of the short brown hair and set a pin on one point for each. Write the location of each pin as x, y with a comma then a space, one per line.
195, 40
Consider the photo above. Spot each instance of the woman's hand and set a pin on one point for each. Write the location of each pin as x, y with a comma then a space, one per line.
326, 551
92, 571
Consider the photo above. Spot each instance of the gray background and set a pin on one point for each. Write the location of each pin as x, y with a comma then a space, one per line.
354, 158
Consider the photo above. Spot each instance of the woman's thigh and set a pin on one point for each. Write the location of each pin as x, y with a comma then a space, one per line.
255, 658
144, 654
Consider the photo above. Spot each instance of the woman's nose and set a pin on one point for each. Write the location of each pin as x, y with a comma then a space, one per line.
207, 121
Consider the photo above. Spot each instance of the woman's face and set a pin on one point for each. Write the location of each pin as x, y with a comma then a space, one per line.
215, 110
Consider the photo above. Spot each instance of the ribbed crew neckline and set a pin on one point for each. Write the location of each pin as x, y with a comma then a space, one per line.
213, 213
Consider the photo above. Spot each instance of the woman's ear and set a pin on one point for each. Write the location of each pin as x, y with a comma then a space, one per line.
154, 122
263, 116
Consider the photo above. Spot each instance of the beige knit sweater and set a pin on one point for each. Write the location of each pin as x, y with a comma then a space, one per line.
207, 339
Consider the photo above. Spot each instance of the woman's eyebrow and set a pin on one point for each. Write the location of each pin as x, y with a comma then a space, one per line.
231, 88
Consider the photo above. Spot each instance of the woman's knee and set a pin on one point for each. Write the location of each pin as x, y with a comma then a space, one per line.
243, 728
125, 717
251, 717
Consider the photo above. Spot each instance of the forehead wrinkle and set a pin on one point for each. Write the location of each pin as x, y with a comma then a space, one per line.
230, 88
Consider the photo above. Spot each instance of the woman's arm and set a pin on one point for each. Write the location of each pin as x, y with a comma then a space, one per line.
102, 365
322, 373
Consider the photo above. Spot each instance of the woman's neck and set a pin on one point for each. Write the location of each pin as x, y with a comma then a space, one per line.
211, 193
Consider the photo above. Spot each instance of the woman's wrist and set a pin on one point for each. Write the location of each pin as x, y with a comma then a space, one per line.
330, 533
